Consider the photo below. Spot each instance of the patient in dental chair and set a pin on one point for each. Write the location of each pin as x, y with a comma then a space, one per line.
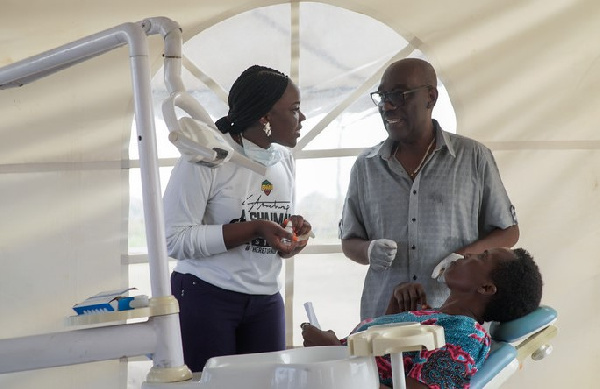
499, 285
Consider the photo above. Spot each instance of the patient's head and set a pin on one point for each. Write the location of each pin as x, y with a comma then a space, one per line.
518, 288
500, 284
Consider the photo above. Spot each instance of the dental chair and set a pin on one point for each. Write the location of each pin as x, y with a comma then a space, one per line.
513, 343
353, 367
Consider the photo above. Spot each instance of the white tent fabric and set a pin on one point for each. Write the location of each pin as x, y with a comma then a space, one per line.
523, 77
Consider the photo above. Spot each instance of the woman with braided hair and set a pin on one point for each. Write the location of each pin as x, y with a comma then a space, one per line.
224, 225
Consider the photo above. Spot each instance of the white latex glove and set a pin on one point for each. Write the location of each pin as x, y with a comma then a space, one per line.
381, 253
438, 271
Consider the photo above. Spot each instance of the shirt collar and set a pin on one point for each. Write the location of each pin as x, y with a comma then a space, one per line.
442, 138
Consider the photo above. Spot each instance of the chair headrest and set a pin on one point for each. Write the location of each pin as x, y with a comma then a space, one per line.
514, 330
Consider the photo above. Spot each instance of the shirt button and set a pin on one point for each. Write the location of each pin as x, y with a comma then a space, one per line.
414, 220
414, 192
414, 278
413, 247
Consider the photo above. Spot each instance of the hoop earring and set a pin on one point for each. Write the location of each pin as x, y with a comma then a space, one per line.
267, 129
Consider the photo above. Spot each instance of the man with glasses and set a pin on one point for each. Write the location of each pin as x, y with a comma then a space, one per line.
420, 195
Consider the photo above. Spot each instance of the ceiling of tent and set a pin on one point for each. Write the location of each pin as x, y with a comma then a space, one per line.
496, 49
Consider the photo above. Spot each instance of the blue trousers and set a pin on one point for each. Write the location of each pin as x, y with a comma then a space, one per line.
217, 321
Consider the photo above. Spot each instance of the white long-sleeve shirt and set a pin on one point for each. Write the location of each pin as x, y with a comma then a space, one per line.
199, 200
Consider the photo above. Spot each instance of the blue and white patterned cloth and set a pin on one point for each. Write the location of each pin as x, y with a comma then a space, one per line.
451, 366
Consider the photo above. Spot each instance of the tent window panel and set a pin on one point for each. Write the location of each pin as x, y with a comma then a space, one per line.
337, 58
321, 185
333, 283
137, 233
259, 36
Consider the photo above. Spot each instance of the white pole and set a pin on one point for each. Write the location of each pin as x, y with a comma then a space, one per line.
168, 356
171, 32
74, 347
398, 378
52, 61
166, 338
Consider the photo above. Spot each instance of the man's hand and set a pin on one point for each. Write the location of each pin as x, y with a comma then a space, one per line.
381, 253
315, 337
406, 297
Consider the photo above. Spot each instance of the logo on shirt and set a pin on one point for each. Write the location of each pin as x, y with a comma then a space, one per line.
266, 187
255, 207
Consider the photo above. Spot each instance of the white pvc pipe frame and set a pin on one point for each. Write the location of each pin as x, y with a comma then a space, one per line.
160, 335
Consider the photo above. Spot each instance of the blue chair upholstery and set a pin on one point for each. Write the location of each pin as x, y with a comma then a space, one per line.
502, 352
501, 355
514, 330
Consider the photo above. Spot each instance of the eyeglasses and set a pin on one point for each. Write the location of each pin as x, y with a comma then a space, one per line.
395, 97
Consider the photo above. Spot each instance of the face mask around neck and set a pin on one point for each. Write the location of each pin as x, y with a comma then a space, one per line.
268, 157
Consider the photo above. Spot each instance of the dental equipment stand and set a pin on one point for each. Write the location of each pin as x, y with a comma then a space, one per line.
197, 138
160, 335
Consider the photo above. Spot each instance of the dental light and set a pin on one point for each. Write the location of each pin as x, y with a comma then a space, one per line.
195, 136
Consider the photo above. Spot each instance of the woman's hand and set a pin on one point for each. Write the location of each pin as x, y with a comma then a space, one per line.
406, 297
301, 226
315, 337
286, 243
301, 230
277, 237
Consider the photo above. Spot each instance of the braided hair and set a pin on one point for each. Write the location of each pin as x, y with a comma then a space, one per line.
252, 96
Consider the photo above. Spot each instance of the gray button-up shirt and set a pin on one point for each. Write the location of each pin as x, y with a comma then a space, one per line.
457, 198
